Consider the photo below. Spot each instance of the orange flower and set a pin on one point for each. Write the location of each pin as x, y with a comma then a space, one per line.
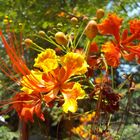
135, 33
129, 50
25, 104
111, 26
124, 45
128, 56
51, 82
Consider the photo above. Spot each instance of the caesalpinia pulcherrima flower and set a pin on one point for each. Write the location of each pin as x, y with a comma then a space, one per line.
45, 83
57, 80
121, 45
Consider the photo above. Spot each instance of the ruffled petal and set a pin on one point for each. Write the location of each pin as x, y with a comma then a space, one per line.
112, 54
70, 105
47, 60
74, 63
111, 26
71, 94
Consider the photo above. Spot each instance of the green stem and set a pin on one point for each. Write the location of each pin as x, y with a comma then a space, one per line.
112, 76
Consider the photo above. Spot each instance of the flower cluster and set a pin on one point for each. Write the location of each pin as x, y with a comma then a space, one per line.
73, 71
123, 44
49, 80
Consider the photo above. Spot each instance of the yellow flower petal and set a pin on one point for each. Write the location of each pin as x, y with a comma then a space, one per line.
70, 105
26, 90
71, 96
47, 60
75, 63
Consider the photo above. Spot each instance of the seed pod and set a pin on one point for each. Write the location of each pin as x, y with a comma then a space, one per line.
28, 41
91, 29
100, 13
61, 38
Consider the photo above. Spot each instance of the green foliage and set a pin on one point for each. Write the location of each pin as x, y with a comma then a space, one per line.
6, 134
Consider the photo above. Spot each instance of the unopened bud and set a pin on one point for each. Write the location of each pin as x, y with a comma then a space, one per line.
100, 13
28, 41
91, 29
41, 33
20, 24
85, 18
74, 20
10, 21
5, 21
61, 38
59, 24
6, 17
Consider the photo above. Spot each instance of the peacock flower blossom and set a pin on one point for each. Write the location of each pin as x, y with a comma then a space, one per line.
111, 26
24, 103
72, 64
51, 78
122, 46
51, 83
47, 60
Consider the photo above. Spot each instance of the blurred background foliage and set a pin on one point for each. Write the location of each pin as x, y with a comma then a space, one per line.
30, 16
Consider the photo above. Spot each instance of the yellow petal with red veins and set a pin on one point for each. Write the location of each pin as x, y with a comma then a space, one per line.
47, 60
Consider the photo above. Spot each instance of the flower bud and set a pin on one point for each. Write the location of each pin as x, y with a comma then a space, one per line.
5, 21
61, 38
100, 13
41, 33
10, 21
28, 41
59, 25
91, 29
6, 17
74, 20
85, 18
